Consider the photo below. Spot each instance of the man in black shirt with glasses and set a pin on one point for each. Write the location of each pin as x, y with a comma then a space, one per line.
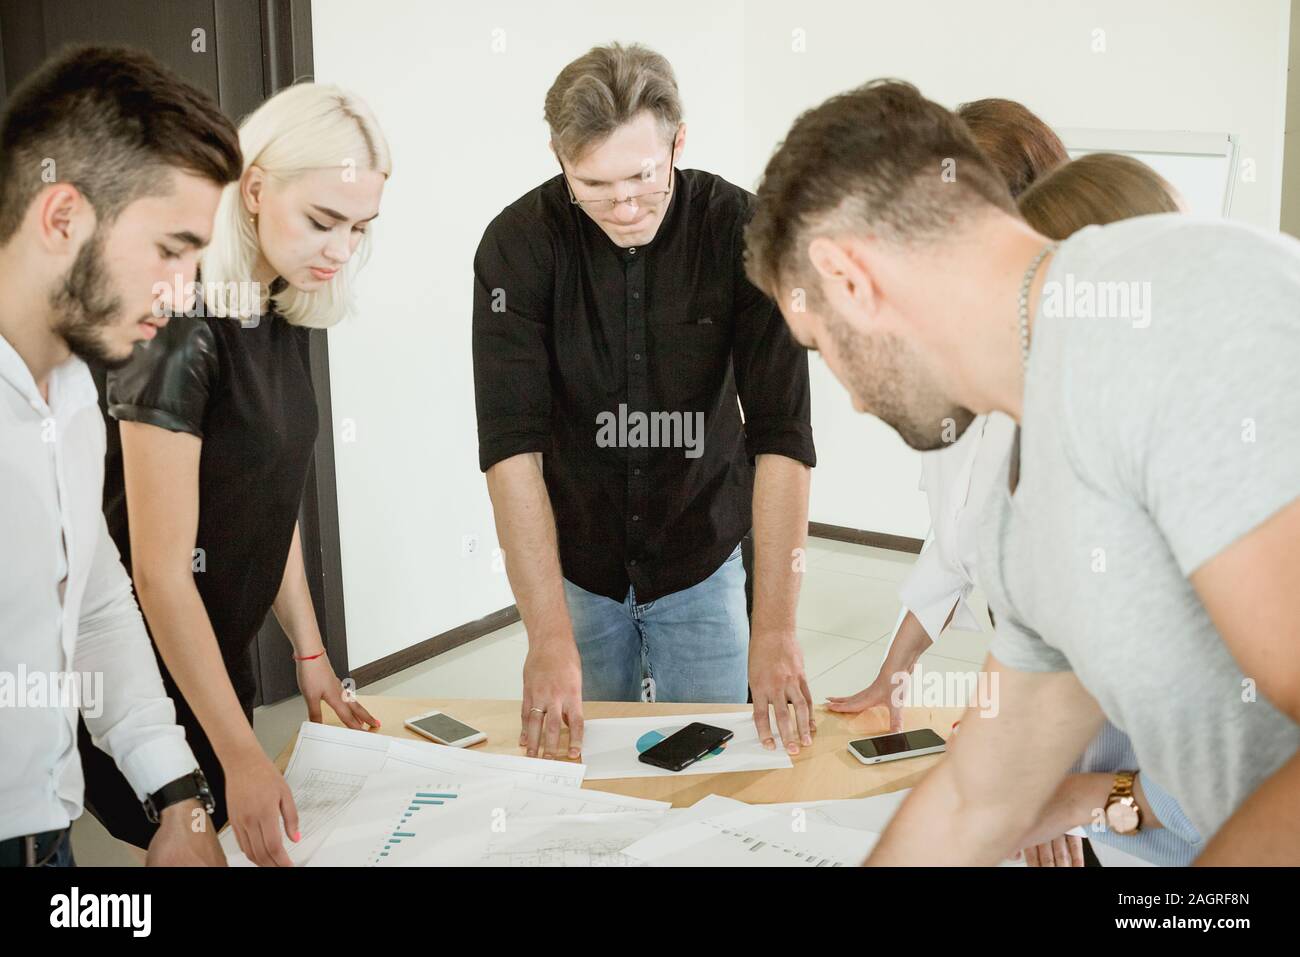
641, 406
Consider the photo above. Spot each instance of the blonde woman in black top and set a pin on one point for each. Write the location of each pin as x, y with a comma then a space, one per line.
218, 421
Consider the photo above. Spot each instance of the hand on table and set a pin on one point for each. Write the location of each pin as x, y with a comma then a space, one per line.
777, 682
889, 689
879, 694
552, 698
257, 798
1063, 851
1047, 844
318, 682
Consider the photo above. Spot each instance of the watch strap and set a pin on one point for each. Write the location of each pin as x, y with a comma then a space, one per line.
1123, 786
184, 788
1121, 792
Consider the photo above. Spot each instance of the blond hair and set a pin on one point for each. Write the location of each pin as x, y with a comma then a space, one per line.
306, 126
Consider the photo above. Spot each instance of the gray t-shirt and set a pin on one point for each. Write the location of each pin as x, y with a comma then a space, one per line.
1150, 442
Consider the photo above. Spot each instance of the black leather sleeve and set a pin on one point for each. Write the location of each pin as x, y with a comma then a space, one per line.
169, 380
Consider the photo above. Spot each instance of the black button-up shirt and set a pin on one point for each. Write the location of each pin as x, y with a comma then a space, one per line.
622, 366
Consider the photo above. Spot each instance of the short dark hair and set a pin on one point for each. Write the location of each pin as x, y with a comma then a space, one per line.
110, 121
880, 158
1020, 144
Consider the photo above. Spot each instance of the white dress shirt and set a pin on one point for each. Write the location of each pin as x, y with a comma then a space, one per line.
66, 609
956, 481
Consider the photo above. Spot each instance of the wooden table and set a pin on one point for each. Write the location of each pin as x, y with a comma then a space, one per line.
822, 772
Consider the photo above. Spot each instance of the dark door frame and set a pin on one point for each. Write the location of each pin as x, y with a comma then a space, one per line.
259, 47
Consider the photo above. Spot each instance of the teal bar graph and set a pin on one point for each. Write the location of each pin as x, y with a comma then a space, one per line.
420, 799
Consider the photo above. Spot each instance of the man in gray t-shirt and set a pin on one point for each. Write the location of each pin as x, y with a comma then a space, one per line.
1143, 552
1149, 443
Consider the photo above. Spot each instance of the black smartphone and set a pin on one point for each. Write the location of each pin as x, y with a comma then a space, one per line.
683, 748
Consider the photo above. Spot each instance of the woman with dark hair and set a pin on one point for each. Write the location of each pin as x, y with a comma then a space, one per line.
1021, 146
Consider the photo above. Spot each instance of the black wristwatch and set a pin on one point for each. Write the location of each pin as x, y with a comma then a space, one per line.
192, 785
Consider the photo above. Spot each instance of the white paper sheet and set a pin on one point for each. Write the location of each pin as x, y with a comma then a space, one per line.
466, 761
409, 817
610, 746
570, 840
326, 771
550, 800
330, 766
863, 814
727, 833
868, 814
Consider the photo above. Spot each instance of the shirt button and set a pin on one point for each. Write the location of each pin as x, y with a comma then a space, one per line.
636, 471
636, 295
636, 518
631, 561
636, 356
632, 251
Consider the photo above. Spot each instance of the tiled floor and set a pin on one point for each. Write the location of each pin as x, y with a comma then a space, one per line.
847, 611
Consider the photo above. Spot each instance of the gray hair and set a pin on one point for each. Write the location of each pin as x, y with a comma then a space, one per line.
603, 89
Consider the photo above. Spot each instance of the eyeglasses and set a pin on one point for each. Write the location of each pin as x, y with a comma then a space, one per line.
641, 199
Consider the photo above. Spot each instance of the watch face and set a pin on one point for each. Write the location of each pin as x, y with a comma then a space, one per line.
1122, 818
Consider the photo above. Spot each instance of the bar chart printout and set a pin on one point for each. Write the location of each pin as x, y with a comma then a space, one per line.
413, 826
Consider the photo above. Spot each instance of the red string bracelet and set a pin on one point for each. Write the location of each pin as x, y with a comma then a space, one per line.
309, 657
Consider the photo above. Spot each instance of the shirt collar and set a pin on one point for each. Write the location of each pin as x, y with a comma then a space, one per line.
71, 385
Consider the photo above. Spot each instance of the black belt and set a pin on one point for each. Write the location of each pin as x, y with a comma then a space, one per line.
32, 850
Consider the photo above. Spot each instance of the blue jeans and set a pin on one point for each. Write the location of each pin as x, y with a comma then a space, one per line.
692, 645
50, 852
63, 856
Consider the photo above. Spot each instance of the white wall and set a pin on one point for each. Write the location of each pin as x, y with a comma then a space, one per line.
1201, 65
464, 117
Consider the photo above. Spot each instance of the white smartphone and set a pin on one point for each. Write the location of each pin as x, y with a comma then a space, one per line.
444, 729
892, 747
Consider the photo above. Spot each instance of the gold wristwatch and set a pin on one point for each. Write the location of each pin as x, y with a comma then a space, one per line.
1123, 816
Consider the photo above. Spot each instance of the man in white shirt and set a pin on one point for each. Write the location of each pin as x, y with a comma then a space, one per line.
111, 169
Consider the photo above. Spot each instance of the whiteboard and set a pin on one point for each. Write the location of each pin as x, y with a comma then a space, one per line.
1200, 166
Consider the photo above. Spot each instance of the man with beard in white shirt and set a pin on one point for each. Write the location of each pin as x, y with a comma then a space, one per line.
110, 172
